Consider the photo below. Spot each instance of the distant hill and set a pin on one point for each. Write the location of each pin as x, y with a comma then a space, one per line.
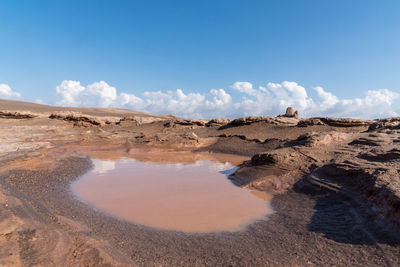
11, 105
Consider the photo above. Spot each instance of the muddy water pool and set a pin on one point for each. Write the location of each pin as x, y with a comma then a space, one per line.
190, 197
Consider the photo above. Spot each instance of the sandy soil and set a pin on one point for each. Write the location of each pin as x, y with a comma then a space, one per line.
335, 182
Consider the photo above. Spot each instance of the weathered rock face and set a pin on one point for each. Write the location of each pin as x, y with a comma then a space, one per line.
315, 139
217, 122
16, 115
264, 158
380, 186
78, 119
339, 122
280, 120
385, 124
335, 122
286, 157
246, 121
184, 122
310, 122
366, 163
137, 120
291, 113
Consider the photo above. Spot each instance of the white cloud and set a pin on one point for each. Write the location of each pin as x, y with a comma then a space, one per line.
271, 99
375, 104
7, 92
98, 94
130, 100
328, 99
220, 100
106, 94
174, 102
70, 93
244, 87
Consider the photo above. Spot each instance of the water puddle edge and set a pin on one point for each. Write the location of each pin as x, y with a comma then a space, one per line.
189, 197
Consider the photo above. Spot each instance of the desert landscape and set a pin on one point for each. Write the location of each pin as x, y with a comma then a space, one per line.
334, 187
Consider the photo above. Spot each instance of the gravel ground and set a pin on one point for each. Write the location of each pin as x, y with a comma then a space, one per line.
310, 226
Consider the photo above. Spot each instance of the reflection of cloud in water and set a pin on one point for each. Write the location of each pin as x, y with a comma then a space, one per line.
210, 165
188, 197
103, 166
126, 160
179, 166
225, 168
218, 166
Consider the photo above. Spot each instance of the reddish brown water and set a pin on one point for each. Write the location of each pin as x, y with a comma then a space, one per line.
190, 197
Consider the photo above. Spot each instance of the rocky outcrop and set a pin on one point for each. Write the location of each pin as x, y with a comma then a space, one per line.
185, 122
16, 115
379, 186
374, 155
291, 113
340, 122
280, 120
335, 122
78, 119
246, 121
288, 158
385, 124
242, 137
217, 122
365, 164
265, 158
191, 136
137, 120
275, 171
309, 122
315, 139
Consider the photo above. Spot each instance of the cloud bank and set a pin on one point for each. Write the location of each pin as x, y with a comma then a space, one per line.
7, 93
271, 99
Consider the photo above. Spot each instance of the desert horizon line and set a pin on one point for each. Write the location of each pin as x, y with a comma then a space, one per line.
241, 99
292, 112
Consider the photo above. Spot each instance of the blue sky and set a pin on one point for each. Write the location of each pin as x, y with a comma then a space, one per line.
346, 47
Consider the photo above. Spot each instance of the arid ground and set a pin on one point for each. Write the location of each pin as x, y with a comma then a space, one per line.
335, 185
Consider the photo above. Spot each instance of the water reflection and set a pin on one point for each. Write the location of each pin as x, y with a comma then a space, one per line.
189, 197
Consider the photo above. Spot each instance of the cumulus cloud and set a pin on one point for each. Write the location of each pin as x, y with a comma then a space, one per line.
328, 99
70, 93
174, 102
7, 92
376, 103
271, 99
244, 87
